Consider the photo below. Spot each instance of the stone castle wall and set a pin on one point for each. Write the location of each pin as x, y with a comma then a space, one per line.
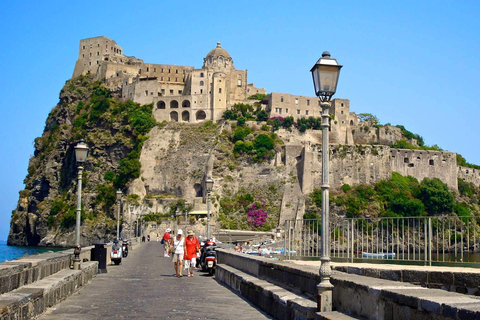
469, 175
369, 164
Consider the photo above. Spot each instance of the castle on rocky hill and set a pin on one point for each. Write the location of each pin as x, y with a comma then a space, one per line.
190, 95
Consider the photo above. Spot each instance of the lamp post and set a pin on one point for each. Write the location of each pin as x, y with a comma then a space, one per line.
325, 78
119, 198
81, 153
209, 185
185, 208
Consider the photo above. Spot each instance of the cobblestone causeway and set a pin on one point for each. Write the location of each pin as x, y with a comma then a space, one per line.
144, 286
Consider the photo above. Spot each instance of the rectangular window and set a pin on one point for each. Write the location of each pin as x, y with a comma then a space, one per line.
308, 102
296, 101
201, 90
286, 110
171, 92
280, 110
298, 111
83, 47
146, 92
98, 53
219, 90
306, 112
281, 99
168, 70
179, 91
168, 78
148, 69
163, 91
154, 69
176, 71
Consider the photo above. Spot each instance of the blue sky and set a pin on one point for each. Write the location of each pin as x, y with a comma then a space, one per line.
413, 63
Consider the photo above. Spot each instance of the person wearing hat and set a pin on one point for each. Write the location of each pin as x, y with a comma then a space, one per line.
178, 250
166, 242
192, 246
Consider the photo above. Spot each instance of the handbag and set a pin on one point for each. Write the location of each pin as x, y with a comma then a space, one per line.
172, 249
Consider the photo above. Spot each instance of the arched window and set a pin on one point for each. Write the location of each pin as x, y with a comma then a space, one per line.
200, 115
161, 105
173, 104
201, 75
174, 116
239, 81
201, 83
186, 104
186, 116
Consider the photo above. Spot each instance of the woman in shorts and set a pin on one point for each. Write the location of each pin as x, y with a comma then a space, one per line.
192, 246
178, 251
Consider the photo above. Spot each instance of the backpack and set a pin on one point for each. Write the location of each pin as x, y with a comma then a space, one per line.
163, 241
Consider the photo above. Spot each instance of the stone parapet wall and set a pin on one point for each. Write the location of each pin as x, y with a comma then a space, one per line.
29, 301
371, 298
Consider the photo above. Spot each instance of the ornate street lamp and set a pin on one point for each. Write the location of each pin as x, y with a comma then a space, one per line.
81, 153
209, 186
119, 198
325, 78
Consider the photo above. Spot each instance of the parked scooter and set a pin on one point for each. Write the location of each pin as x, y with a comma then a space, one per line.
116, 254
125, 248
208, 257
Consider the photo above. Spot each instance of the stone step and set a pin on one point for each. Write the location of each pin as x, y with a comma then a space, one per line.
278, 302
31, 300
335, 315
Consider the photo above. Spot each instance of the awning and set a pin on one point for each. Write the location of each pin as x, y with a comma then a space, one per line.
198, 212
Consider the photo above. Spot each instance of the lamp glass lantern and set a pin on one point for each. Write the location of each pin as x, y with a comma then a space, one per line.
325, 76
209, 184
119, 194
81, 151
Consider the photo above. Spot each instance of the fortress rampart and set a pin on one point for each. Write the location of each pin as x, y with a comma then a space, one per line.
368, 164
469, 175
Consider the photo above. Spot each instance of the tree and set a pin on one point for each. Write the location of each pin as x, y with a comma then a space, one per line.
368, 117
436, 197
262, 115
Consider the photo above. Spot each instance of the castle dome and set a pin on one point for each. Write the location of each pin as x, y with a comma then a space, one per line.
218, 59
218, 51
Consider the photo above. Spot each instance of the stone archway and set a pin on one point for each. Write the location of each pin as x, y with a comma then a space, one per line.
198, 190
174, 116
186, 116
186, 104
161, 105
200, 115
173, 104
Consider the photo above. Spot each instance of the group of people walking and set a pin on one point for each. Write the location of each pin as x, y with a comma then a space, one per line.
183, 250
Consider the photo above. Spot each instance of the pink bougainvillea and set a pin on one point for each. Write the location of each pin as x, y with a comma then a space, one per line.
256, 215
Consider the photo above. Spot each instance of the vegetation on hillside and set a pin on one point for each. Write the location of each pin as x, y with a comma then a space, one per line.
403, 197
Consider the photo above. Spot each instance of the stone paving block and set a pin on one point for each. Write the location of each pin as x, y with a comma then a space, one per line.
444, 278
466, 279
414, 276
394, 275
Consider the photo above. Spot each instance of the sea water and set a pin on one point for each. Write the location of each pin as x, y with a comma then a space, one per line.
15, 252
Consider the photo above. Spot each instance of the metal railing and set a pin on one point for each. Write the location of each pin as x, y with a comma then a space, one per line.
444, 239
